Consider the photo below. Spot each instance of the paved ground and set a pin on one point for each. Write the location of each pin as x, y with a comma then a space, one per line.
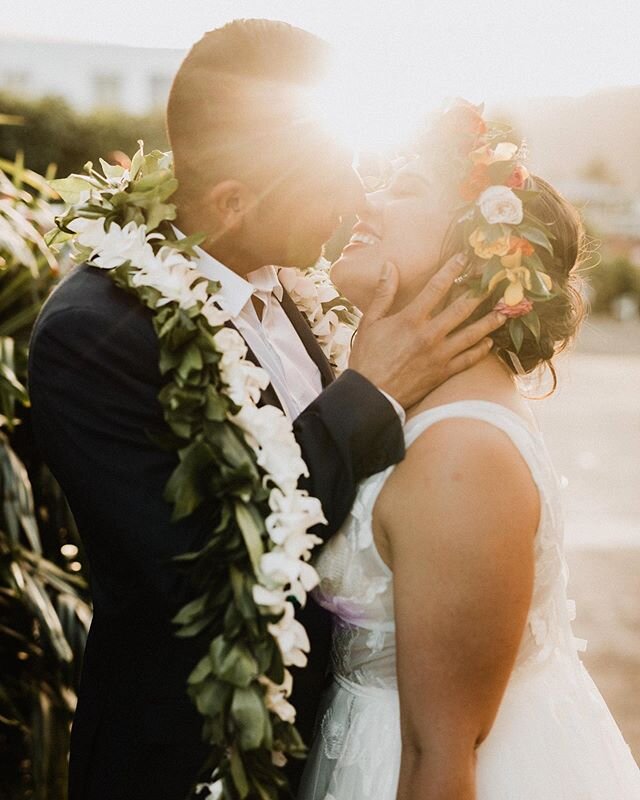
592, 428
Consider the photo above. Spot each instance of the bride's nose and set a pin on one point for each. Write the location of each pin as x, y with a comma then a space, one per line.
372, 207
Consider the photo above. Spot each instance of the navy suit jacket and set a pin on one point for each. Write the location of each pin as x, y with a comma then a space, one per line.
94, 384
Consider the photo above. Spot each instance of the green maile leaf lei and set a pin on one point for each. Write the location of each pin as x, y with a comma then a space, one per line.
237, 460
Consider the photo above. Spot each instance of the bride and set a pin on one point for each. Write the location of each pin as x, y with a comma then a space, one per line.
455, 672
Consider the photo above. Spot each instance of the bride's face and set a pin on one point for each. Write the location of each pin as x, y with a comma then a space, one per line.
406, 223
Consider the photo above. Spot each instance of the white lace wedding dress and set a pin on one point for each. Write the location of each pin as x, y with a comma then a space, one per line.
553, 738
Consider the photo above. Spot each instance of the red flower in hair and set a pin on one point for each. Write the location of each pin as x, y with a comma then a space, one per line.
462, 125
518, 177
477, 181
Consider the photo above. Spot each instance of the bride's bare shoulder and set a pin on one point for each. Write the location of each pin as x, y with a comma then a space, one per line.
459, 472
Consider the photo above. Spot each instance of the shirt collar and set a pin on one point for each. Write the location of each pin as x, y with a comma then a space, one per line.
235, 291
265, 280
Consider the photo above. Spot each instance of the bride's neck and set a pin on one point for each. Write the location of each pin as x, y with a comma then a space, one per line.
489, 380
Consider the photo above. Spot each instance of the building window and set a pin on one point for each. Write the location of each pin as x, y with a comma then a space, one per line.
159, 86
107, 90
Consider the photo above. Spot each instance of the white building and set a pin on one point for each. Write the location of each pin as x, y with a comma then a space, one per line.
89, 76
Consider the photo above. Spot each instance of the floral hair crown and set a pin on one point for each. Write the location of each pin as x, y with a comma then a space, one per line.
502, 238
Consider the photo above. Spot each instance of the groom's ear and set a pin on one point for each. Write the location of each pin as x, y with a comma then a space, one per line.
230, 201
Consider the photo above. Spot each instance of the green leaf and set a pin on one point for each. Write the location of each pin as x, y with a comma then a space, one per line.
55, 238
216, 405
494, 232
516, 330
208, 697
532, 321
536, 236
184, 488
160, 212
493, 267
188, 243
250, 717
191, 610
191, 361
232, 663
111, 170
526, 195
194, 628
251, 525
152, 181
201, 671
70, 189
238, 774
537, 284
242, 594
534, 262
234, 449
137, 161
10, 377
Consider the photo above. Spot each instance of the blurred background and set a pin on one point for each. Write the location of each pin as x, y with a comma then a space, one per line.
79, 81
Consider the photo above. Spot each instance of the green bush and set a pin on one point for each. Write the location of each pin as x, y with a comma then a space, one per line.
611, 280
44, 611
51, 132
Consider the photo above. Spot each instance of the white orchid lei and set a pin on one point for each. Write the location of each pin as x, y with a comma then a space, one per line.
237, 460
331, 317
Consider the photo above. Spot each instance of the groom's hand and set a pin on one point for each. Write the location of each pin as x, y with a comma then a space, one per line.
410, 353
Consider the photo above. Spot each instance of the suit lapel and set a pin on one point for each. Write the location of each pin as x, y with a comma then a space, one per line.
308, 339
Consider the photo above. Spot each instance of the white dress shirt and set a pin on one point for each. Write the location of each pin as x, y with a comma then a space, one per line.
273, 339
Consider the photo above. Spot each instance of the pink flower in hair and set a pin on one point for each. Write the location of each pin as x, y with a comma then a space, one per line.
519, 310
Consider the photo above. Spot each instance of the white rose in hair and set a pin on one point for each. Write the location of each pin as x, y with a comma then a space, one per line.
505, 151
499, 204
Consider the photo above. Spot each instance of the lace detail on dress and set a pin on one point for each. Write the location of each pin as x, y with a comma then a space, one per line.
333, 734
342, 641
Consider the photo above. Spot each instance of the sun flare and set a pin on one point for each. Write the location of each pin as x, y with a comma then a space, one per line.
365, 108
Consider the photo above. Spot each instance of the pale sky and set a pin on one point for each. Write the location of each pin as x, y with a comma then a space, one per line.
401, 54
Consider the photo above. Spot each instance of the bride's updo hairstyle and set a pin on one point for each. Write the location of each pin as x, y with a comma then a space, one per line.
525, 242
562, 315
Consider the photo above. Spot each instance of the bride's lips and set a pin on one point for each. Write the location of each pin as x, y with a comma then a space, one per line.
362, 235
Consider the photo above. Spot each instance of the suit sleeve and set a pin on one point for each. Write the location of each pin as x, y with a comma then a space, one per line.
349, 432
94, 385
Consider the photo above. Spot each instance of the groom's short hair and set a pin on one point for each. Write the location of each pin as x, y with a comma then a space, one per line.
232, 109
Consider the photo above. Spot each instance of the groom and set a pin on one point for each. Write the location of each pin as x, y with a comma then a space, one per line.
267, 186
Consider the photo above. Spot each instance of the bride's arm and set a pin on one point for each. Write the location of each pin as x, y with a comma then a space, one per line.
460, 514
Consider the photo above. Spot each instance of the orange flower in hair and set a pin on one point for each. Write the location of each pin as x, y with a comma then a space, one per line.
477, 181
523, 245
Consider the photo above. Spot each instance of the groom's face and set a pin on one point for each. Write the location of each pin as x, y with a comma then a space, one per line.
293, 222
